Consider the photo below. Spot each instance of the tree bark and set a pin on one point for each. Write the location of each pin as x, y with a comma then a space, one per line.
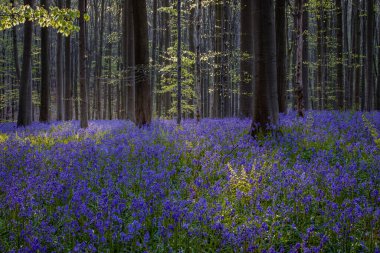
198, 72
179, 64
266, 100
128, 101
82, 65
143, 97
369, 61
356, 35
305, 56
68, 80
299, 59
218, 61
59, 74
281, 54
153, 74
339, 55
25, 94
45, 70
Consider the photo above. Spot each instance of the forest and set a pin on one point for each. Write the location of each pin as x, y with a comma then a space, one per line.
190, 126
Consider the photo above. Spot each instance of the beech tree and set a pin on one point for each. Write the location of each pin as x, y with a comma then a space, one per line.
265, 103
143, 95
25, 94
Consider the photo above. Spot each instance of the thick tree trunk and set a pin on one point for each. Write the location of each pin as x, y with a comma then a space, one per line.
143, 97
266, 100
82, 65
281, 54
25, 94
45, 70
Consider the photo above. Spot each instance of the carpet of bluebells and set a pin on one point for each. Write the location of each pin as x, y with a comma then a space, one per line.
207, 187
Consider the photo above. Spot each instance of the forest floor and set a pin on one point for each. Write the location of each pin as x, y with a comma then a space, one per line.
206, 187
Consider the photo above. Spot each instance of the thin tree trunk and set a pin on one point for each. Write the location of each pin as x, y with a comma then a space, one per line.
339, 55
179, 64
356, 35
198, 72
369, 60
82, 65
45, 70
68, 81
59, 75
153, 75
305, 55
130, 62
299, 59
218, 61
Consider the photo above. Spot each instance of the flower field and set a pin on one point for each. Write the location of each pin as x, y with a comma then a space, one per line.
208, 187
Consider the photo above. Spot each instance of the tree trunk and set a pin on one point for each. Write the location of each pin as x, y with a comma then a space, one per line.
320, 81
281, 54
153, 74
99, 63
299, 59
45, 70
143, 98
266, 100
59, 74
82, 65
68, 81
356, 35
305, 56
339, 55
198, 72
369, 60
218, 61
129, 62
179, 64
25, 94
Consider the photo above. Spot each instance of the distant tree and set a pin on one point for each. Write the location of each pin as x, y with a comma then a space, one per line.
130, 62
179, 63
25, 94
339, 55
265, 101
369, 89
143, 94
68, 79
82, 64
246, 71
299, 58
45, 70
198, 72
305, 55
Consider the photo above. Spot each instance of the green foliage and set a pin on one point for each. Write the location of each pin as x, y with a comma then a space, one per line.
60, 19
169, 79
371, 128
